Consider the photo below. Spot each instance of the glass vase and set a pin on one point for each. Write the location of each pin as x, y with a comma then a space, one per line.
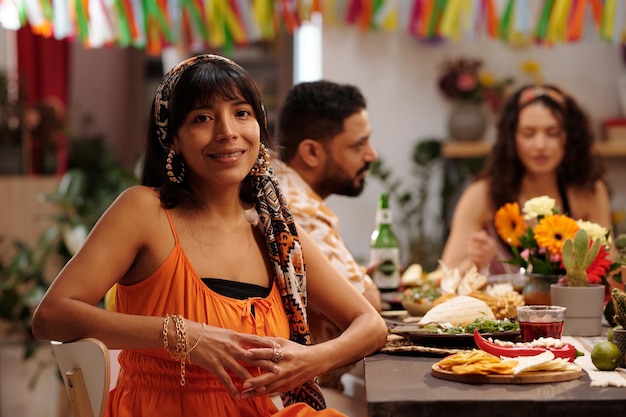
537, 289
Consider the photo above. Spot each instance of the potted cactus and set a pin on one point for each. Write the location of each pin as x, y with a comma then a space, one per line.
584, 301
618, 301
577, 257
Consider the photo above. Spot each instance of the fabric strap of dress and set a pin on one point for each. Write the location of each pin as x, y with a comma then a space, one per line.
286, 256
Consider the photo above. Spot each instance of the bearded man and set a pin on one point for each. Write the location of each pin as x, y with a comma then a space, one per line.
324, 135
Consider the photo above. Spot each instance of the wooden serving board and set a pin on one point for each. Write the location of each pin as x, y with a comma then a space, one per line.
521, 378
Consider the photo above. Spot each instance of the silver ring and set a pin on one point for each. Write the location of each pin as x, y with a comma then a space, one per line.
277, 355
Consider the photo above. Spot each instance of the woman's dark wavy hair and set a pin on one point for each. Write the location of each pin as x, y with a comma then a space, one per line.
201, 83
579, 167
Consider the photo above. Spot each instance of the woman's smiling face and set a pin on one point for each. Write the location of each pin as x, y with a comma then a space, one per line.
219, 141
540, 139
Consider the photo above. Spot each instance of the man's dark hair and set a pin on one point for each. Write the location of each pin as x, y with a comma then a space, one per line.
315, 110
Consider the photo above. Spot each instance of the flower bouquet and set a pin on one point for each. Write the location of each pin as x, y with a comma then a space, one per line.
537, 238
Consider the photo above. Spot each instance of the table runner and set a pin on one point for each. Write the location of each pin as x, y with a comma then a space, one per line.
599, 378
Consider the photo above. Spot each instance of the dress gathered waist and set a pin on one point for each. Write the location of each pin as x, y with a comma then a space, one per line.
139, 369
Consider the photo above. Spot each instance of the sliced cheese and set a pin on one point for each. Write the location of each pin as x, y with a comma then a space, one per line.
458, 310
530, 363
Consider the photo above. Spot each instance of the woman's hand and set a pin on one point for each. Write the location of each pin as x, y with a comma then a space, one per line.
223, 350
295, 363
481, 249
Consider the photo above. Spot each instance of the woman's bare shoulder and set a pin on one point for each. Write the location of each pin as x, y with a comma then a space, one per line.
592, 204
590, 195
139, 196
137, 204
474, 204
476, 194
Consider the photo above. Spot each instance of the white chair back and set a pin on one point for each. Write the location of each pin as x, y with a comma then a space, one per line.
85, 367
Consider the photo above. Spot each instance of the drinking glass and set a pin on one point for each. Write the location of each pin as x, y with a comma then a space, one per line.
537, 321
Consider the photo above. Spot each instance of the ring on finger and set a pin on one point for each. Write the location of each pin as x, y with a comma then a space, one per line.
277, 355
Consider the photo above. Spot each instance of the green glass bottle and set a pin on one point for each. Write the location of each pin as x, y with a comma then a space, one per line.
384, 250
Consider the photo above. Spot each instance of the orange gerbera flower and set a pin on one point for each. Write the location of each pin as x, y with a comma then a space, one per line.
552, 231
510, 223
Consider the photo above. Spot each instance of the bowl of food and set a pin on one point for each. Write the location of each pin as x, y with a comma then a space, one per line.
517, 281
417, 300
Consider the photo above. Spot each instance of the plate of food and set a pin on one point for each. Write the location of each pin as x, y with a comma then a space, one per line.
458, 340
445, 335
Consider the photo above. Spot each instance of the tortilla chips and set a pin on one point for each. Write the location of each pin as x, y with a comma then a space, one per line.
482, 363
477, 362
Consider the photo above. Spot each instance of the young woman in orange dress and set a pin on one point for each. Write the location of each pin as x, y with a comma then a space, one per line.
212, 275
543, 147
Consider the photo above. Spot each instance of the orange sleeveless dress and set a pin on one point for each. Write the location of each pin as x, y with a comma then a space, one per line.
149, 380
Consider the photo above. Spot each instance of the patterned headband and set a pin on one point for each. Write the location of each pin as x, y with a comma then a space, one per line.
532, 93
164, 92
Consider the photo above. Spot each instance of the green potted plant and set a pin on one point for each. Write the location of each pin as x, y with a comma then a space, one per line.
584, 301
577, 257
618, 334
83, 193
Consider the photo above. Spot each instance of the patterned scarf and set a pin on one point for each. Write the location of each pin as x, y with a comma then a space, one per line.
286, 256
282, 239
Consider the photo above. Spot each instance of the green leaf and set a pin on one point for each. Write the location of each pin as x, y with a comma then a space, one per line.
568, 249
581, 245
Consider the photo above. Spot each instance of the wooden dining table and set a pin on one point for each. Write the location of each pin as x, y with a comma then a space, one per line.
402, 385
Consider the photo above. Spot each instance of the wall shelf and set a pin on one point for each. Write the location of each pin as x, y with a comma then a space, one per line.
463, 150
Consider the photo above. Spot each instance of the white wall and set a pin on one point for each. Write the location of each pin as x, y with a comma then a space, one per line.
398, 76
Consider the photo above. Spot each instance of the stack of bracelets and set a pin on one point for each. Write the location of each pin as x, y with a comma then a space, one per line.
181, 352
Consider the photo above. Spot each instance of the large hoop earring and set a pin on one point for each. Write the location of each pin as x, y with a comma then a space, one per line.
169, 167
262, 162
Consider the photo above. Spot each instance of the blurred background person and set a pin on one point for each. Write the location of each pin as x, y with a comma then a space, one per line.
543, 147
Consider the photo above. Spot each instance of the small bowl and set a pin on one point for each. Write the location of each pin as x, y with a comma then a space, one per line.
518, 281
417, 307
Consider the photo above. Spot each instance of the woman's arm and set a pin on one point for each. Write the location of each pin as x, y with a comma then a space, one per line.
334, 296
68, 311
364, 329
468, 244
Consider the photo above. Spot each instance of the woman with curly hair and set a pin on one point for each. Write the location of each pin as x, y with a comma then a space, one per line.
543, 147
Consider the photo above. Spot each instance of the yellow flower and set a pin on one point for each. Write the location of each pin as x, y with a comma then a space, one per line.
487, 79
510, 223
539, 206
530, 67
552, 231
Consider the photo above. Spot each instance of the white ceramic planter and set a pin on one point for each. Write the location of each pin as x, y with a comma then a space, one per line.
584, 308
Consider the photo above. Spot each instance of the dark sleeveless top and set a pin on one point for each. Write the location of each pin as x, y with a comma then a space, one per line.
236, 290
565, 209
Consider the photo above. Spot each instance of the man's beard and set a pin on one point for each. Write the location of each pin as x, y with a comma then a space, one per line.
338, 181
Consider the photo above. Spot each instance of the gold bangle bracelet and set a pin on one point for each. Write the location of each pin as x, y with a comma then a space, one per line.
195, 345
166, 323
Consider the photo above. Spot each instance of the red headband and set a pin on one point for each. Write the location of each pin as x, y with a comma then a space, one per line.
532, 93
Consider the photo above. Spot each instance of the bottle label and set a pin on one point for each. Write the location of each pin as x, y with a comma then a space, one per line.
383, 216
387, 275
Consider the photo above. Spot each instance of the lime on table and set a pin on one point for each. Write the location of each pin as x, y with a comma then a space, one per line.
606, 356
